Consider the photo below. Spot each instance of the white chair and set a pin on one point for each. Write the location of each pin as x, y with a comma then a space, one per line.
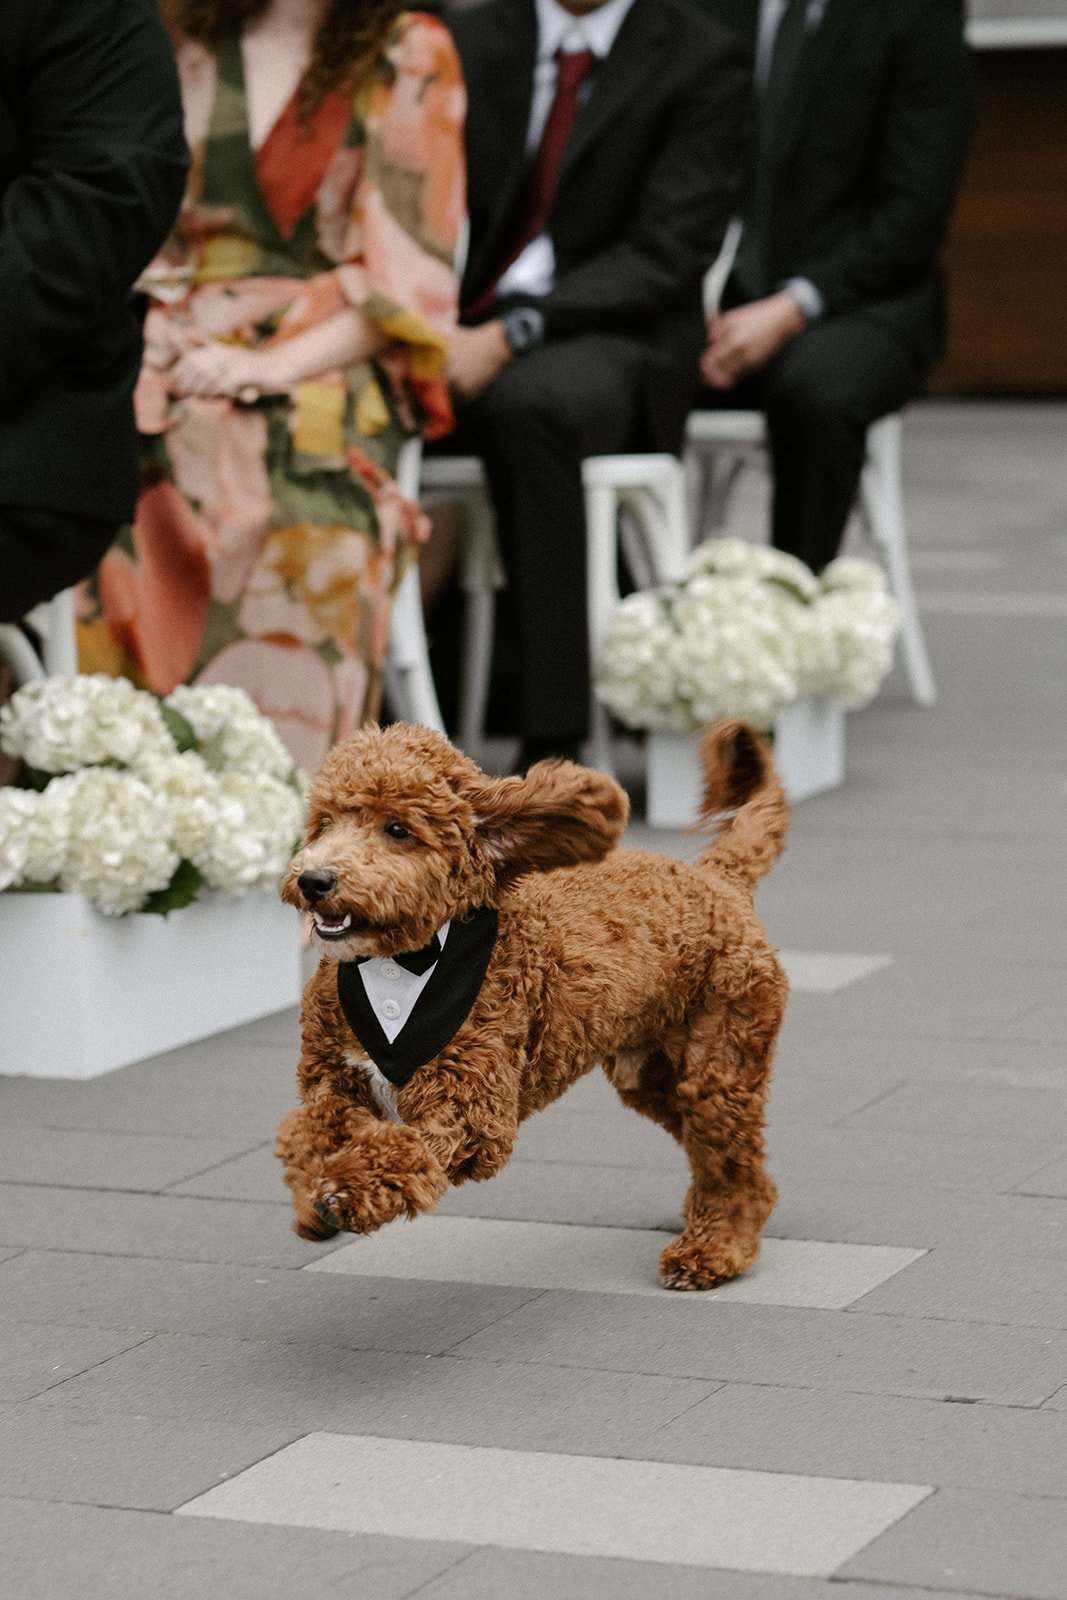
409, 685
719, 444
53, 623
638, 501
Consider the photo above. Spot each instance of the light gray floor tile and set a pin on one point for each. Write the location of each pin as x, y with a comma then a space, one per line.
54, 1551
240, 1302
512, 1406
52, 1451
619, 1197
922, 1217
979, 1285
5, 1255
617, 1137
35, 1358
580, 1505
995, 1543
823, 972
879, 1058
1050, 1180
210, 1089
805, 1349
841, 1435
528, 1575
540, 1255
971, 1109
256, 1176
984, 1000
935, 1159
93, 1160
179, 1228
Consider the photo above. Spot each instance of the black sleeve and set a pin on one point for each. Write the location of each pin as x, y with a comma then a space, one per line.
99, 115
691, 192
922, 148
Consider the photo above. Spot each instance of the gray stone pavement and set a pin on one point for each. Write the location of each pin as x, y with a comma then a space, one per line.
187, 1412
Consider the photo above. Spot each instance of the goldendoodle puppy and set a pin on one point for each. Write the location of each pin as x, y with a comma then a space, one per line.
484, 945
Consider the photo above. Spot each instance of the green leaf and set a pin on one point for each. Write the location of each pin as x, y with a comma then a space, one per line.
790, 588
211, 753
180, 728
181, 891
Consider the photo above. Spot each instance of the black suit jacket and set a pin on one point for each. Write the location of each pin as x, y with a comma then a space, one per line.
867, 161
92, 169
651, 175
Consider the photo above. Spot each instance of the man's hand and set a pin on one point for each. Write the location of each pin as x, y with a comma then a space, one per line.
744, 340
475, 357
223, 369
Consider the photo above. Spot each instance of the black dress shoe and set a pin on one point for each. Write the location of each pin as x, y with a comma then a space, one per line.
534, 750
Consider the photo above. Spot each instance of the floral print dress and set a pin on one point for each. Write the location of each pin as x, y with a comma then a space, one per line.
269, 537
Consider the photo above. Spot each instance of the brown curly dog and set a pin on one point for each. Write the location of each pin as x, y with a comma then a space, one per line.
656, 970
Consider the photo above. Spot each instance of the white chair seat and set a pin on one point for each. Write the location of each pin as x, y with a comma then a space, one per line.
719, 443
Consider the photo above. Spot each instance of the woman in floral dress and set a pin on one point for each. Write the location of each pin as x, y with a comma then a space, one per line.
298, 332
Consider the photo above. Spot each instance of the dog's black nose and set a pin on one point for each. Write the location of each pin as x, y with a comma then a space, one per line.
315, 883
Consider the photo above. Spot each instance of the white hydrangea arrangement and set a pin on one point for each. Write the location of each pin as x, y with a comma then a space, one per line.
749, 631
139, 804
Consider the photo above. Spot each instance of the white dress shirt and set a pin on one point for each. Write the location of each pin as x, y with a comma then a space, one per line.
392, 990
534, 271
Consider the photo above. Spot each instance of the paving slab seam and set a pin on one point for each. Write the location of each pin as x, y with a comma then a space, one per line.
203, 1172
721, 1380
94, 1366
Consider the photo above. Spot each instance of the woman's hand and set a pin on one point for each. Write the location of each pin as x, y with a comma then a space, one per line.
223, 369
165, 340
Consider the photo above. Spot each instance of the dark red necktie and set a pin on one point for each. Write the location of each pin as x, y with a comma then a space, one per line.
538, 191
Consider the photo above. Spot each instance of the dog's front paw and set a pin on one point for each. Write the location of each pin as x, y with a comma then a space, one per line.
695, 1263
383, 1175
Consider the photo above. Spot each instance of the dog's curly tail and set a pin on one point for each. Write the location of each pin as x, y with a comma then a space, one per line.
740, 780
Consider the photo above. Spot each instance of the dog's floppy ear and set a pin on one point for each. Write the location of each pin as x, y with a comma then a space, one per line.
556, 816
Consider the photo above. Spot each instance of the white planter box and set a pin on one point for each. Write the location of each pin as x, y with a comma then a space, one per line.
809, 752
84, 993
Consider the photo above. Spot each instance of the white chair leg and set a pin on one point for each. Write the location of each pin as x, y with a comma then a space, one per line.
20, 655
408, 679
481, 576
883, 512
601, 510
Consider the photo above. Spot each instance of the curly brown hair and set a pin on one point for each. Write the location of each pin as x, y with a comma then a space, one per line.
349, 33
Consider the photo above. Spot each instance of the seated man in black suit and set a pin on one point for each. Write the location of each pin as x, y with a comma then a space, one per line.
92, 170
606, 142
833, 311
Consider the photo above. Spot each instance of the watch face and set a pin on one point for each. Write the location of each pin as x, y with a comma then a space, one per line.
523, 328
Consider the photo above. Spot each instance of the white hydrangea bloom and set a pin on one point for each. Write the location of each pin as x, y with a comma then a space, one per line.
750, 630
61, 724
257, 824
735, 657
854, 575
193, 797
33, 838
248, 739
636, 672
118, 847
740, 558
861, 629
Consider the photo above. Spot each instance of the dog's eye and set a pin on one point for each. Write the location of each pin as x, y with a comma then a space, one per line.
397, 830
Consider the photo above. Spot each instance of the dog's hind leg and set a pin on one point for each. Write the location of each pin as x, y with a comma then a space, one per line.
720, 1096
646, 1080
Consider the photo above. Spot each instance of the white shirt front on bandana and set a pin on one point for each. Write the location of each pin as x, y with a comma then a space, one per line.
392, 990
